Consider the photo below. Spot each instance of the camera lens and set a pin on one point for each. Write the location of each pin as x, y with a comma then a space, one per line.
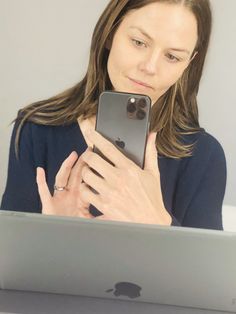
131, 106
140, 114
142, 103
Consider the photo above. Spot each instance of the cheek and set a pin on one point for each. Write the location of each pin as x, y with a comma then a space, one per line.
166, 78
121, 58
118, 69
171, 75
112, 68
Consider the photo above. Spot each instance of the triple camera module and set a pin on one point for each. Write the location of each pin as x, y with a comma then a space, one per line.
136, 108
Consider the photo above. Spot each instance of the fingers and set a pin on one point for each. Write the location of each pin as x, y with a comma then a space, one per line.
44, 192
108, 149
88, 195
75, 177
65, 170
92, 179
80, 210
94, 161
151, 153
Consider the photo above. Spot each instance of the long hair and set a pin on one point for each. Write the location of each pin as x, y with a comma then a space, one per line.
174, 114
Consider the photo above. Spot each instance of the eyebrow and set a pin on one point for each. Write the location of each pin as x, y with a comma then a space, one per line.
149, 37
141, 31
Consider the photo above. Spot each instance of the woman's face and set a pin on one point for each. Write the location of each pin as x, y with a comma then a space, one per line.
151, 48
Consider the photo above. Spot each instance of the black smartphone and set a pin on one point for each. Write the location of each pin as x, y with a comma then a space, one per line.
123, 119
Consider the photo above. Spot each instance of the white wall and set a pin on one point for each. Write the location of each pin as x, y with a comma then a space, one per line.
44, 49
217, 97
44, 46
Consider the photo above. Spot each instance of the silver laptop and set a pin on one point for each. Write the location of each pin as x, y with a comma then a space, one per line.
148, 263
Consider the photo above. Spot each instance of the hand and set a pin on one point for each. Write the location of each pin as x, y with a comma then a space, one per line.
125, 191
65, 202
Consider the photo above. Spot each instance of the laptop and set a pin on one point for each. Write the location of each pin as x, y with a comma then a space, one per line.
135, 262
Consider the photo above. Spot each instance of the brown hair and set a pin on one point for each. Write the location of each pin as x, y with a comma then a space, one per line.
174, 114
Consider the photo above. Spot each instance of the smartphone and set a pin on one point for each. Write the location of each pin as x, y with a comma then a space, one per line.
124, 119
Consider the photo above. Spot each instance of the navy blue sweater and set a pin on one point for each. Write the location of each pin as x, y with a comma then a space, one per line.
193, 187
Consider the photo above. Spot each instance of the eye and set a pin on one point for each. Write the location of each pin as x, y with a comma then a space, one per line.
172, 58
138, 43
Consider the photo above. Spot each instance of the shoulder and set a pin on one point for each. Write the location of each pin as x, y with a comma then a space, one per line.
205, 146
34, 129
207, 161
32, 133
49, 143
42, 141
207, 158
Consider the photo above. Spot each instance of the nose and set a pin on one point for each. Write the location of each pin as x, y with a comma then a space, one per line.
150, 63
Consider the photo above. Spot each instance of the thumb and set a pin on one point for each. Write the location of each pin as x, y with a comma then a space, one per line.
43, 190
151, 153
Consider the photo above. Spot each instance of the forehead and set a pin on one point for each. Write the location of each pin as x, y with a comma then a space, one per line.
172, 22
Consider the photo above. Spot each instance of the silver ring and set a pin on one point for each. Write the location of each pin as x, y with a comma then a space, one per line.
59, 188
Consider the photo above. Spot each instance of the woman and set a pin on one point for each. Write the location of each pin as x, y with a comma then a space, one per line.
157, 48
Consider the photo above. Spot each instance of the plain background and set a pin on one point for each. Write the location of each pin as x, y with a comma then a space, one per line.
44, 50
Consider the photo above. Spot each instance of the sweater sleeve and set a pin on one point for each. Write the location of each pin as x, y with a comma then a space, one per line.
21, 192
201, 186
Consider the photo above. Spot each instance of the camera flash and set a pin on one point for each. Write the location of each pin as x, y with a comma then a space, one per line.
132, 100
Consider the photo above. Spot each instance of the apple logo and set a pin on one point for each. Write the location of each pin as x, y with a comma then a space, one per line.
120, 143
127, 289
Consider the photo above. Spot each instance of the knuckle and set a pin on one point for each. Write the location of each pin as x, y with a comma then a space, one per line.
108, 148
88, 155
82, 187
105, 206
86, 173
66, 168
121, 181
60, 180
83, 191
90, 158
122, 175
133, 171
83, 172
112, 195
93, 159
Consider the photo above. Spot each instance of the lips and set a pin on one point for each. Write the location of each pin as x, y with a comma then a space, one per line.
140, 83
